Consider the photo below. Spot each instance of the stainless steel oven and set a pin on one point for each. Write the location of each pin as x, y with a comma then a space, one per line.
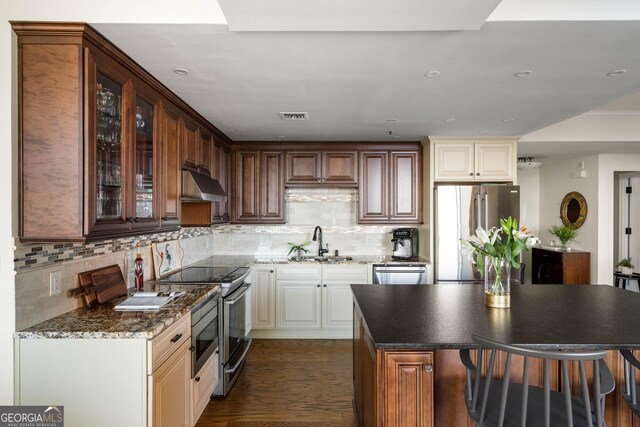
204, 333
233, 332
231, 318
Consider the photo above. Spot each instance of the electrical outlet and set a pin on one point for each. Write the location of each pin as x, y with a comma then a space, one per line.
55, 283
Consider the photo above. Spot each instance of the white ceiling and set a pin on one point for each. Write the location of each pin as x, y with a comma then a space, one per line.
352, 82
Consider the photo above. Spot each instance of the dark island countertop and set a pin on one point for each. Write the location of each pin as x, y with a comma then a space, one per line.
541, 316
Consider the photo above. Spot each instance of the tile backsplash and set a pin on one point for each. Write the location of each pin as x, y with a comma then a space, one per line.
335, 210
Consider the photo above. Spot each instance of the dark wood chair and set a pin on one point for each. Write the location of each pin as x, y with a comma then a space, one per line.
499, 402
630, 387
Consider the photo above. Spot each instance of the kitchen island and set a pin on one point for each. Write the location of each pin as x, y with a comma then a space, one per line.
407, 370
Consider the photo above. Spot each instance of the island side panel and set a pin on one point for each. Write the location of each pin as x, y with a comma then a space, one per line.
365, 370
76, 374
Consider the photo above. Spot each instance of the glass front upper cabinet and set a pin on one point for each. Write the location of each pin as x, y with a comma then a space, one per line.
144, 159
109, 148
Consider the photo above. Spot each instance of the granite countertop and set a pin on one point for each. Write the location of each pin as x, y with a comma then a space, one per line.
104, 322
542, 316
248, 260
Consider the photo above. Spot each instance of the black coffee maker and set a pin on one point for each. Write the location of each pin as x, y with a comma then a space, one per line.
405, 243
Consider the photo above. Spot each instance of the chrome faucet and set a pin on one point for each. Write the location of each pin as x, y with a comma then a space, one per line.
321, 250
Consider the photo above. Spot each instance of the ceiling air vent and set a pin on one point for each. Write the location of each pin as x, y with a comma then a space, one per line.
294, 116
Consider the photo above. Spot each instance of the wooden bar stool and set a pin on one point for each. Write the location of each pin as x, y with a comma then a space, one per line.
625, 278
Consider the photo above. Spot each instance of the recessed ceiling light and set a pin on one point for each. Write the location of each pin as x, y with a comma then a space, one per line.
181, 71
280, 137
616, 73
508, 119
392, 120
432, 73
523, 73
240, 130
450, 120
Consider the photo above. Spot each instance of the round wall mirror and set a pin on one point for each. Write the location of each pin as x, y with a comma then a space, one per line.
573, 210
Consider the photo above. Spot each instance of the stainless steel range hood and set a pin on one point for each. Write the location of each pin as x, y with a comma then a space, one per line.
201, 188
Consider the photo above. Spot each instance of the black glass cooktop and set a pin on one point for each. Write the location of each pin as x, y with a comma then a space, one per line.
222, 275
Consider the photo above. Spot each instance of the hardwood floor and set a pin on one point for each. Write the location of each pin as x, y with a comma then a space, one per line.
288, 383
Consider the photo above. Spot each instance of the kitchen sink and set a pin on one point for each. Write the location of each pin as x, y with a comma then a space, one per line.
329, 259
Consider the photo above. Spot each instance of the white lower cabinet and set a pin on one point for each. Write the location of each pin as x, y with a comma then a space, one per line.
304, 301
202, 386
139, 382
171, 387
263, 296
298, 296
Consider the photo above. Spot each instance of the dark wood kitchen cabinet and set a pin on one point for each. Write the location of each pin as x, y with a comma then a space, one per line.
258, 187
390, 186
170, 166
392, 388
189, 144
555, 267
205, 148
98, 139
321, 168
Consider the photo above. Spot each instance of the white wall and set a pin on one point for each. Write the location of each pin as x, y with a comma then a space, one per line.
608, 165
555, 182
529, 182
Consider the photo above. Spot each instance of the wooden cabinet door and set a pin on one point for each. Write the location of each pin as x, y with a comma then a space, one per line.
373, 206
303, 168
189, 145
205, 148
493, 161
263, 309
112, 129
170, 167
408, 389
340, 168
224, 180
298, 296
454, 162
405, 183
144, 210
246, 206
298, 304
337, 299
171, 388
271, 187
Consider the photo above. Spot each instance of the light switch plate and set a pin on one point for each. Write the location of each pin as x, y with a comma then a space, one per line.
55, 283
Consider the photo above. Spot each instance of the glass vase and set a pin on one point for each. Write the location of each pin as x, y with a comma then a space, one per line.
497, 283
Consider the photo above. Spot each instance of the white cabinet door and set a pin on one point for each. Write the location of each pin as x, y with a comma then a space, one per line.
263, 297
454, 162
171, 388
298, 296
494, 161
337, 298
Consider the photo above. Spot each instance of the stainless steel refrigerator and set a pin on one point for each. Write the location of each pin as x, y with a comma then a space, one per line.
459, 210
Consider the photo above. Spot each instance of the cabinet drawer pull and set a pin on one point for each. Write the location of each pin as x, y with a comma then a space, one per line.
197, 379
176, 338
325, 285
477, 173
470, 173
165, 218
270, 271
318, 285
428, 368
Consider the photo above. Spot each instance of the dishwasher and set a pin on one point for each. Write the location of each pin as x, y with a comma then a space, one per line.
396, 274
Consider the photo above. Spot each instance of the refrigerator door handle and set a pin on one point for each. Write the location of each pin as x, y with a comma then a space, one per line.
485, 200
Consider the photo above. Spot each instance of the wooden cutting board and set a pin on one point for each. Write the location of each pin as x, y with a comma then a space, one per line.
109, 283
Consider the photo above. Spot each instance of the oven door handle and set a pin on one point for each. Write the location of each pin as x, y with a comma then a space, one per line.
236, 299
234, 368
